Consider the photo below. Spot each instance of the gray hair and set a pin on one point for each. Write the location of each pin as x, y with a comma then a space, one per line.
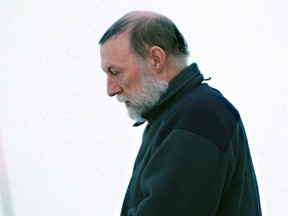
147, 29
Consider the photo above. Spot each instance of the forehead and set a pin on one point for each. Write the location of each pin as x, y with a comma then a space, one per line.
116, 51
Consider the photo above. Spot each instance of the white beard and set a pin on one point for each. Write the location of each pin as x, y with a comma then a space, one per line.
151, 91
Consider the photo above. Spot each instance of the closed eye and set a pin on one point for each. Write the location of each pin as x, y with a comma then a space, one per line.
113, 72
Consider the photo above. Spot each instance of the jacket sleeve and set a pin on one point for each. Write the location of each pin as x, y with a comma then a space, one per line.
185, 176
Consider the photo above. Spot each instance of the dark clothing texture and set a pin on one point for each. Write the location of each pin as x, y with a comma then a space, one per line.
194, 158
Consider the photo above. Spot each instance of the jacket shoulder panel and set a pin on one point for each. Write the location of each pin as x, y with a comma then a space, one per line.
204, 111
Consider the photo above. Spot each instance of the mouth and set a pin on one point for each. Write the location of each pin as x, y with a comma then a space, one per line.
128, 104
123, 99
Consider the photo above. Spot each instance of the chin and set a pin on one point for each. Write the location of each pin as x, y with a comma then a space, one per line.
134, 115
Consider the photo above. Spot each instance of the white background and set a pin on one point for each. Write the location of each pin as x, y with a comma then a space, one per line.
69, 149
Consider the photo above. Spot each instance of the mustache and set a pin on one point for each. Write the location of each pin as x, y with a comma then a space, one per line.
122, 98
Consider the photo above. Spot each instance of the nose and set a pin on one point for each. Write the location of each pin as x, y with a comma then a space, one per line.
113, 87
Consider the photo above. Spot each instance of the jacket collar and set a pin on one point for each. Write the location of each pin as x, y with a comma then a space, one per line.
184, 81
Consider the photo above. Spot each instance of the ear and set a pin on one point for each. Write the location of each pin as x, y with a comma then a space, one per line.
157, 58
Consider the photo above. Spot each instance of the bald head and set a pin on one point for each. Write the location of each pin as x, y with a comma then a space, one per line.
127, 22
138, 13
147, 29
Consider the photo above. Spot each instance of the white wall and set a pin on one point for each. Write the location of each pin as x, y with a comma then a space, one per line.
69, 149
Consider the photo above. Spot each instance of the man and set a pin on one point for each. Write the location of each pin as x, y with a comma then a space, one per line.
194, 158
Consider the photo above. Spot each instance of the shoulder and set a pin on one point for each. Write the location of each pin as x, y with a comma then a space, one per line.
206, 112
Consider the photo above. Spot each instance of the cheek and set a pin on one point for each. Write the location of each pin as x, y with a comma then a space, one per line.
123, 82
132, 82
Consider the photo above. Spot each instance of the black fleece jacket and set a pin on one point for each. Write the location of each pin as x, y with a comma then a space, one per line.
194, 158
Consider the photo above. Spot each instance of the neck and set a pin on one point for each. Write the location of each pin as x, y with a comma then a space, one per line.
174, 67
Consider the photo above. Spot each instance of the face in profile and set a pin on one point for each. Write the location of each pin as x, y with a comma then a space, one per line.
129, 78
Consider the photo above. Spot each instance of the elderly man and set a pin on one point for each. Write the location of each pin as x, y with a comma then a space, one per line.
194, 158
